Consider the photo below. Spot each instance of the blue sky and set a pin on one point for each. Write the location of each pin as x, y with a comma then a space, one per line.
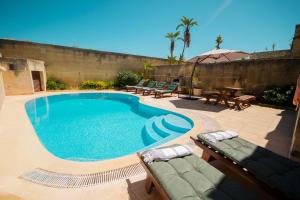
139, 26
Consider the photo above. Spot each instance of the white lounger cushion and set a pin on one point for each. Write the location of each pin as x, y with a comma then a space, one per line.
219, 135
165, 154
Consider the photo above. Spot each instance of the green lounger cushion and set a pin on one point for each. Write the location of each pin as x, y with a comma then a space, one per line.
276, 171
140, 84
171, 88
156, 87
138, 87
150, 85
161, 84
163, 91
192, 178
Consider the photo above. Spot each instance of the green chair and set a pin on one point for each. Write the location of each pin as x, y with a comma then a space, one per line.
150, 84
190, 177
170, 89
272, 171
159, 85
132, 87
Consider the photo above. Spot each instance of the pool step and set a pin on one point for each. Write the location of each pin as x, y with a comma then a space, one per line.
158, 128
161, 129
176, 123
150, 136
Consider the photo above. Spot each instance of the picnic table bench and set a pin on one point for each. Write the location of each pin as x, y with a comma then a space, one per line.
242, 101
227, 94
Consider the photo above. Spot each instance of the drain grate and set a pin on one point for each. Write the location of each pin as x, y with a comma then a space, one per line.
60, 180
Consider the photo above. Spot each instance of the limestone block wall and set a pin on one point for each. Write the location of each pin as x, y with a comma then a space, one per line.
2, 92
18, 82
74, 65
252, 75
270, 54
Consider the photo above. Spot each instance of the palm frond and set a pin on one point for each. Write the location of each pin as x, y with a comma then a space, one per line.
219, 41
180, 25
194, 23
168, 35
180, 38
176, 34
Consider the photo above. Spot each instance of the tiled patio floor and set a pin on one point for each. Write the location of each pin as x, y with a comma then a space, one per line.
268, 127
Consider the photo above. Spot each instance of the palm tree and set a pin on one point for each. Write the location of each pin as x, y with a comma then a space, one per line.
172, 37
219, 41
273, 46
186, 23
172, 59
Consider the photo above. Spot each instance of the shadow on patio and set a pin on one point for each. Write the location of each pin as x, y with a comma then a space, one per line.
197, 105
279, 140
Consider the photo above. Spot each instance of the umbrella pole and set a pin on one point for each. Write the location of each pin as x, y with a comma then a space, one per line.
191, 83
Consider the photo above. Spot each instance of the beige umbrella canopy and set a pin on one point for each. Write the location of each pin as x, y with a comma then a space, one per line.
220, 55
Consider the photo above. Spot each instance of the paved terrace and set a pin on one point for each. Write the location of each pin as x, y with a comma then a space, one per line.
267, 127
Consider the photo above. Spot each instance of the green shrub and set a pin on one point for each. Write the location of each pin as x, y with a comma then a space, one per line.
279, 96
56, 84
126, 78
109, 84
98, 85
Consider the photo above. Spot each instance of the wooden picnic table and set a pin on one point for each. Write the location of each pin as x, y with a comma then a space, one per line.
226, 94
229, 93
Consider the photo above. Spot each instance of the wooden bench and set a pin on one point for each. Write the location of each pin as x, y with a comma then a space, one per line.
243, 101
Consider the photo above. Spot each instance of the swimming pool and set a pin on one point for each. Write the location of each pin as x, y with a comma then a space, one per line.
97, 126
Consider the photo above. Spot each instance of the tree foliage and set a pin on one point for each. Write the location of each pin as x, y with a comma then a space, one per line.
219, 41
186, 24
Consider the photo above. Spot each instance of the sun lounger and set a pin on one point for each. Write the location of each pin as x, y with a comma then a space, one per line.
273, 172
170, 89
132, 87
159, 85
190, 177
150, 84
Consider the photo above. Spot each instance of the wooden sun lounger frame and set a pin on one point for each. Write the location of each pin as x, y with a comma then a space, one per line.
151, 181
132, 87
147, 92
161, 95
209, 154
150, 91
141, 88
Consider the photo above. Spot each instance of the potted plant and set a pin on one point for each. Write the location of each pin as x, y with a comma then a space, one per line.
147, 68
197, 89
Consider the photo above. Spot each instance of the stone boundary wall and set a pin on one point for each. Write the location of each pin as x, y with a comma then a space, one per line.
252, 75
270, 54
74, 65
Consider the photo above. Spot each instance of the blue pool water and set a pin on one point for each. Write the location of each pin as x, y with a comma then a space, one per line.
97, 126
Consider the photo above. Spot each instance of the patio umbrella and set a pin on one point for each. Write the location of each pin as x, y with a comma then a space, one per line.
220, 55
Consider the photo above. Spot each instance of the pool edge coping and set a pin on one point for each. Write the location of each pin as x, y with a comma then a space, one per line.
74, 167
